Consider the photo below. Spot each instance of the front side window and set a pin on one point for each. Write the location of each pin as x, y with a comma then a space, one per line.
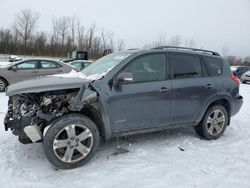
185, 66
49, 65
148, 68
27, 65
215, 65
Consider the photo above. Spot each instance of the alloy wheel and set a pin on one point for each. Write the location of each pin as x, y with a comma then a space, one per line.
73, 143
216, 122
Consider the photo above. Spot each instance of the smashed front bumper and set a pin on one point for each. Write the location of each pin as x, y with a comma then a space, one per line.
15, 124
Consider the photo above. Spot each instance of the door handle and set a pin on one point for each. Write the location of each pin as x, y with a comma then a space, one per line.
209, 86
59, 71
164, 90
34, 71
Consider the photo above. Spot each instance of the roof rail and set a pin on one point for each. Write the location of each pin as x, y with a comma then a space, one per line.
185, 48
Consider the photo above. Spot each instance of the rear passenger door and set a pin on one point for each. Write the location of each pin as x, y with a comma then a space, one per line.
191, 87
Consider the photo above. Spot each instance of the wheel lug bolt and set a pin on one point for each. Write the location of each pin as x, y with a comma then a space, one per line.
71, 146
72, 138
77, 139
68, 142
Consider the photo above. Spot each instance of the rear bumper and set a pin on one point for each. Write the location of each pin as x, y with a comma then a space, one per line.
238, 101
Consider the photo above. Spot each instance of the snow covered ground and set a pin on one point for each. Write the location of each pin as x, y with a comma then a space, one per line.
153, 160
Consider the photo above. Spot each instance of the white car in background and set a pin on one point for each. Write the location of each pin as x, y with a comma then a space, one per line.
14, 58
245, 77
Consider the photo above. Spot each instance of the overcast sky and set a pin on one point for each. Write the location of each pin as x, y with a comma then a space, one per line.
212, 24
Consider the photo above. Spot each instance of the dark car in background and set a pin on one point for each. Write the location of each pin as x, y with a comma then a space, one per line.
80, 64
239, 70
31, 68
137, 91
77, 55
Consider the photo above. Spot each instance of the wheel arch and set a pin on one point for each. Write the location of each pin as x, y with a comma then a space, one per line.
225, 102
4, 80
95, 116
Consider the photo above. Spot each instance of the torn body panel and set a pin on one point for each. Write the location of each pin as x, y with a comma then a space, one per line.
28, 114
36, 109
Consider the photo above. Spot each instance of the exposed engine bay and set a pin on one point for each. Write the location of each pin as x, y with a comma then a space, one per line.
36, 110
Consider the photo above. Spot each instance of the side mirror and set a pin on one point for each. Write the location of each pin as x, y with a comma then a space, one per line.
14, 68
124, 78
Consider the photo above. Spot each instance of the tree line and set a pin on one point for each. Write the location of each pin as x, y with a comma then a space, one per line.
67, 34
178, 40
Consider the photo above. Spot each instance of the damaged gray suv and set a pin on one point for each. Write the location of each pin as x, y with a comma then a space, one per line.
124, 93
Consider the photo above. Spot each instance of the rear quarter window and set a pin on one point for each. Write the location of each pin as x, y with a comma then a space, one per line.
215, 65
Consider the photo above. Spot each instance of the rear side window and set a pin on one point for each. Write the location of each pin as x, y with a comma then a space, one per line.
215, 65
185, 66
49, 65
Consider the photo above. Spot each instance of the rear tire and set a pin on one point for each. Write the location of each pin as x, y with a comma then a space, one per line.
3, 85
71, 141
214, 123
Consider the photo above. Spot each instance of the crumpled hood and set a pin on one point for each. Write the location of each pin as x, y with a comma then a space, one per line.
42, 84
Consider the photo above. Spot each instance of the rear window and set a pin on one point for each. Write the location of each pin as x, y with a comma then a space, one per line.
49, 65
215, 65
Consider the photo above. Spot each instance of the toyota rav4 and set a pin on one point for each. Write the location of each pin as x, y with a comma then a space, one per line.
124, 93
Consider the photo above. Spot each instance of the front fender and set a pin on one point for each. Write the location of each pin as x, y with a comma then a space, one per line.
88, 95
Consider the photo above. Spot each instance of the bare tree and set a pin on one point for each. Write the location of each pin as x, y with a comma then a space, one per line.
162, 41
61, 27
106, 37
73, 30
120, 45
91, 35
225, 50
175, 40
189, 43
67, 34
40, 43
25, 23
80, 36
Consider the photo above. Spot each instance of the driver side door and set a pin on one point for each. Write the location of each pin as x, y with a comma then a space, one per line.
24, 71
144, 102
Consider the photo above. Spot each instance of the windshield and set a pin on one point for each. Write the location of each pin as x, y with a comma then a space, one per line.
103, 65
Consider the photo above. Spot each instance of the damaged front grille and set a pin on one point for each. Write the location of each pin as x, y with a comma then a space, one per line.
37, 110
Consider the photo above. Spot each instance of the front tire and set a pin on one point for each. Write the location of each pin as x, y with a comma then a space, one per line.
214, 123
71, 141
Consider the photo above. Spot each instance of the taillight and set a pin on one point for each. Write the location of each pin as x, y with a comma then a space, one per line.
235, 79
